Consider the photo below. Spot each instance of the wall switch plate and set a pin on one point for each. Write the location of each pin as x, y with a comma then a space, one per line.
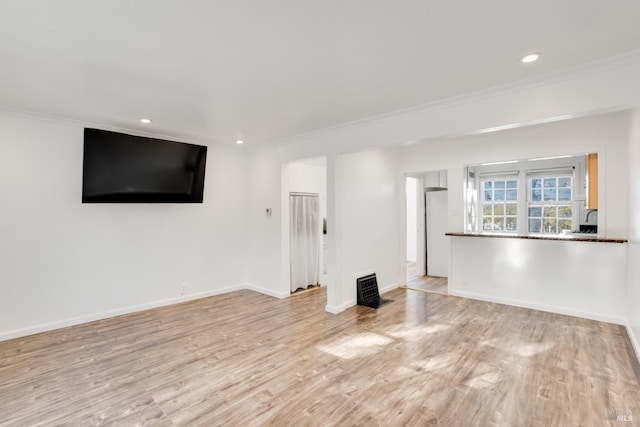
267, 211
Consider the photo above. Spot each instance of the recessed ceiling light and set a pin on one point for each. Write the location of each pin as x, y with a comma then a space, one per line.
145, 121
532, 57
239, 142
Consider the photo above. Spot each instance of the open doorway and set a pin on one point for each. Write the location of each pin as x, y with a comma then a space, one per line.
427, 221
412, 186
304, 233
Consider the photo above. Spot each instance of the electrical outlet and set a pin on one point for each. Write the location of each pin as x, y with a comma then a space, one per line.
184, 289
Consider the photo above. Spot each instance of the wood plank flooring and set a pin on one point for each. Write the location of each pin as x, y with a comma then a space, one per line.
429, 284
246, 359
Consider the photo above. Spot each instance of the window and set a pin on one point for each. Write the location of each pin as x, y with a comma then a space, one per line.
550, 205
535, 196
499, 204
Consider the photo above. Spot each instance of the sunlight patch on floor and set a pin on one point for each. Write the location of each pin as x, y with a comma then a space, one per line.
522, 349
435, 363
364, 344
415, 332
484, 376
402, 372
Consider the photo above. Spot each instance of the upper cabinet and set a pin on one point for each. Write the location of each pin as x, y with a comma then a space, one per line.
592, 181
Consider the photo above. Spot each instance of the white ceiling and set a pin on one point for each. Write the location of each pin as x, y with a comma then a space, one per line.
214, 71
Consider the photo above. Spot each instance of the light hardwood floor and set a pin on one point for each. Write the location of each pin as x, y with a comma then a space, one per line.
245, 359
429, 284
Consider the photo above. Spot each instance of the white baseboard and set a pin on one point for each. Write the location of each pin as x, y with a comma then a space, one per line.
45, 327
541, 307
634, 340
389, 288
112, 313
335, 309
265, 291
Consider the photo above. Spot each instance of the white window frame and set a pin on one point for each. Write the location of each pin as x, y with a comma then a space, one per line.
557, 174
522, 170
494, 177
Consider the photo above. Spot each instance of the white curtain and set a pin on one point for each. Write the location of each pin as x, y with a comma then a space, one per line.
304, 211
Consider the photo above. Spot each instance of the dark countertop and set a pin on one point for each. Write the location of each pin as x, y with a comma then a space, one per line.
568, 237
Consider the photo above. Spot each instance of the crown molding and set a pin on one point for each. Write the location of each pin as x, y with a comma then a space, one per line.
67, 121
522, 85
519, 86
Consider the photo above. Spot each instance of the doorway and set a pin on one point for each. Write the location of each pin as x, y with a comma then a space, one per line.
303, 231
304, 240
412, 186
428, 249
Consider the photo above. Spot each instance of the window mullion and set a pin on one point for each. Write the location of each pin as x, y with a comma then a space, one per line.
523, 199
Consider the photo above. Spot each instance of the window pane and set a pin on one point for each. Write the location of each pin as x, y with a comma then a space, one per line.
534, 225
549, 225
487, 224
564, 182
564, 224
564, 194
549, 193
565, 211
500, 204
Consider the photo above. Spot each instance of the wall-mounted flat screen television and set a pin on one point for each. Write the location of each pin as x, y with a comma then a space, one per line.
120, 168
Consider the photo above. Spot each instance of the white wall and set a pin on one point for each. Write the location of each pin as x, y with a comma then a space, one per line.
364, 195
306, 177
576, 278
263, 258
52, 246
577, 288
606, 86
633, 266
64, 262
605, 134
369, 197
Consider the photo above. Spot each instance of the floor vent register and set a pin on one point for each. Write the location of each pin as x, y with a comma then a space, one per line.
368, 294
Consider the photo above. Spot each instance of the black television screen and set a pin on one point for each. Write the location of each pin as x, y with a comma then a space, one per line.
120, 168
